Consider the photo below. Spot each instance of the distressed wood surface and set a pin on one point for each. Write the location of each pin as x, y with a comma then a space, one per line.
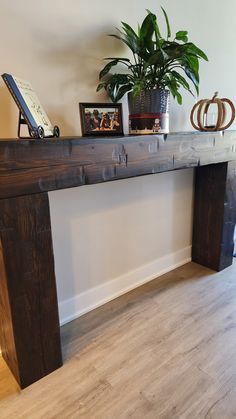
214, 215
29, 335
29, 328
29, 166
7, 342
163, 351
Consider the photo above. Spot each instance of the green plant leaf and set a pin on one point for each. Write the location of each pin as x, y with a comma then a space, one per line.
156, 59
119, 79
174, 88
129, 30
139, 29
171, 87
147, 27
192, 63
167, 23
130, 36
101, 86
139, 85
192, 77
122, 91
154, 21
107, 68
192, 48
117, 58
118, 85
123, 61
128, 42
173, 49
182, 36
181, 80
156, 62
156, 28
111, 92
179, 98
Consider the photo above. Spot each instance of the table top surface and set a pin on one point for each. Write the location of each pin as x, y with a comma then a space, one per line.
32, 166
170, 135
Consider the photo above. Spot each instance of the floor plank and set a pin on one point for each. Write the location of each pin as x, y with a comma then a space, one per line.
165, 350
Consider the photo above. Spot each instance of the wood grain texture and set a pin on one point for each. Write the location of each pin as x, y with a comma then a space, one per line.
208, 219
165, 350
7, 341
31, 166
214, 215
29, 289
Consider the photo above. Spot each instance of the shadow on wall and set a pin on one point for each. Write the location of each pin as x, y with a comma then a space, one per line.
67, 69
83, 56
77, 64
8, 115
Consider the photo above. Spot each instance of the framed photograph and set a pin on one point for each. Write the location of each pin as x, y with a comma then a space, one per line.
101, 119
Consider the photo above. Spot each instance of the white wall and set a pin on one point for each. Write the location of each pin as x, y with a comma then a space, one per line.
109, 237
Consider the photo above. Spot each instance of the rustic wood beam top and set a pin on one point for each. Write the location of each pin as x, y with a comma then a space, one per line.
29, 325
32, 166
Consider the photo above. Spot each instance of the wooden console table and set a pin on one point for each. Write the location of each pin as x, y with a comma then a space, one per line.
29, 324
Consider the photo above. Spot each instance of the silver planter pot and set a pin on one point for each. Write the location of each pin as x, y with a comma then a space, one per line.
149, 112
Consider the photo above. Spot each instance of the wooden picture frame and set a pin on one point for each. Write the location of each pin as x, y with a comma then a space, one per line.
101, 119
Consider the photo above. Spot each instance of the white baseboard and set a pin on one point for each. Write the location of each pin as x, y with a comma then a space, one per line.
83, 303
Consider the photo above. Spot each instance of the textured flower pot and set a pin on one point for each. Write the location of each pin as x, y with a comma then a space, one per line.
149, 112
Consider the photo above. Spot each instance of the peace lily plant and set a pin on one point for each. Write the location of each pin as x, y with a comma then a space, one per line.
157, 61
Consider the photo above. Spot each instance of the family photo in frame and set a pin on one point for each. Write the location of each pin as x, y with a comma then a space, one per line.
101, 119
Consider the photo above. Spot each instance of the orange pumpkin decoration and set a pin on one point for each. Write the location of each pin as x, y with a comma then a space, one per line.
201, 109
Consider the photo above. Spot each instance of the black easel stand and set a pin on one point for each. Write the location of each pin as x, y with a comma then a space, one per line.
36, 132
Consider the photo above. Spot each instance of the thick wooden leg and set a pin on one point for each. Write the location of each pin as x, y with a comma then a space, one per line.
214, 215
29, 323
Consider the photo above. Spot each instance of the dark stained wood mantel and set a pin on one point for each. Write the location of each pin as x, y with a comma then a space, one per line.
30, 166
29, 324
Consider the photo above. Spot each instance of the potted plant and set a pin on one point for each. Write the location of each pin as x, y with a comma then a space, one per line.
159, 66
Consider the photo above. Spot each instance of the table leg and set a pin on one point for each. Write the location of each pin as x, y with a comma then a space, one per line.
29, 323
214, 215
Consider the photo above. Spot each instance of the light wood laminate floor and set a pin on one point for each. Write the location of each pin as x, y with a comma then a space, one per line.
166, 350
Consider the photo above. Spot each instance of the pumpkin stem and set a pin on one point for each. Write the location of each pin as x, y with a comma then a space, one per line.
215, 95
